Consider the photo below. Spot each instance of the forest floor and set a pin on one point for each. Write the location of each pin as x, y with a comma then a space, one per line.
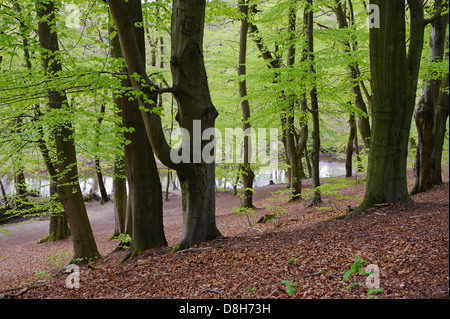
299, 252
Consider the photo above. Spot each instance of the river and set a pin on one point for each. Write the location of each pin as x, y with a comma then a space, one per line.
329, 166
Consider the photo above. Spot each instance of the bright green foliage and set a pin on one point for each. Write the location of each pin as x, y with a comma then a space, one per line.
355, 268
90, 77
290, 287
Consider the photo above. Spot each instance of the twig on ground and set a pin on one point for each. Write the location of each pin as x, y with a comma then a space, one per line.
322, 244
273, 291
20, 293
209, 290
429, 214
313, 275
194, 249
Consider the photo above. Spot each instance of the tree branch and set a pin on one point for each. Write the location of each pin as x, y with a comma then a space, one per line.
437, 13
133, 60
416, 38
265, 52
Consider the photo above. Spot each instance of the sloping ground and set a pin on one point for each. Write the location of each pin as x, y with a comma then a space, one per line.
409, 242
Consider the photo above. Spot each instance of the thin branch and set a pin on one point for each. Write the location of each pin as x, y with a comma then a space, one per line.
209, 290
20, 293
437, 13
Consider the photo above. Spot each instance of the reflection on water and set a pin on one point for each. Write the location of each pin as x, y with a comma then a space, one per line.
328, 167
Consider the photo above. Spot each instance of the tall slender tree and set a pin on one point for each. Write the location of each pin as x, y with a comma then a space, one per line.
309, 21
426, 112
69, 191
363, 116
145, 193
295, 145
58, 227
248, 175
119, 179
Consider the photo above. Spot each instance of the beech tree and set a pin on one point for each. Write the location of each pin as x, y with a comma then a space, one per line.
295, 144
309, 22
248, 175
431, 112
360, 104
69, 192
145, 195
190, 89
395, 71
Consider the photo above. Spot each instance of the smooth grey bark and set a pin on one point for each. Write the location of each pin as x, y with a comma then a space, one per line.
194, 101
295, 146
439, 128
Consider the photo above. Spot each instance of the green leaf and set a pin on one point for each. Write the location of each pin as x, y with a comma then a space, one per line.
354, 284
372, 291
290, 287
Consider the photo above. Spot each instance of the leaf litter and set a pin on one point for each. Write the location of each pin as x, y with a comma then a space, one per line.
298, 255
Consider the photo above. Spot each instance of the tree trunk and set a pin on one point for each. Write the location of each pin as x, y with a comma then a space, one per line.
295, 147
69, 192
58, 227
98, 169
363, 118
289, 112
425, 115
101, 185
394, 84
119, 179
196, 112
20, 185
19, 176
5, 205
358, 157
440, 127
309, 16
194, 101
350, 142
248, 175
145, 193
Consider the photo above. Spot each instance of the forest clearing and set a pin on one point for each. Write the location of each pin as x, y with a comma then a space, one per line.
224, 149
